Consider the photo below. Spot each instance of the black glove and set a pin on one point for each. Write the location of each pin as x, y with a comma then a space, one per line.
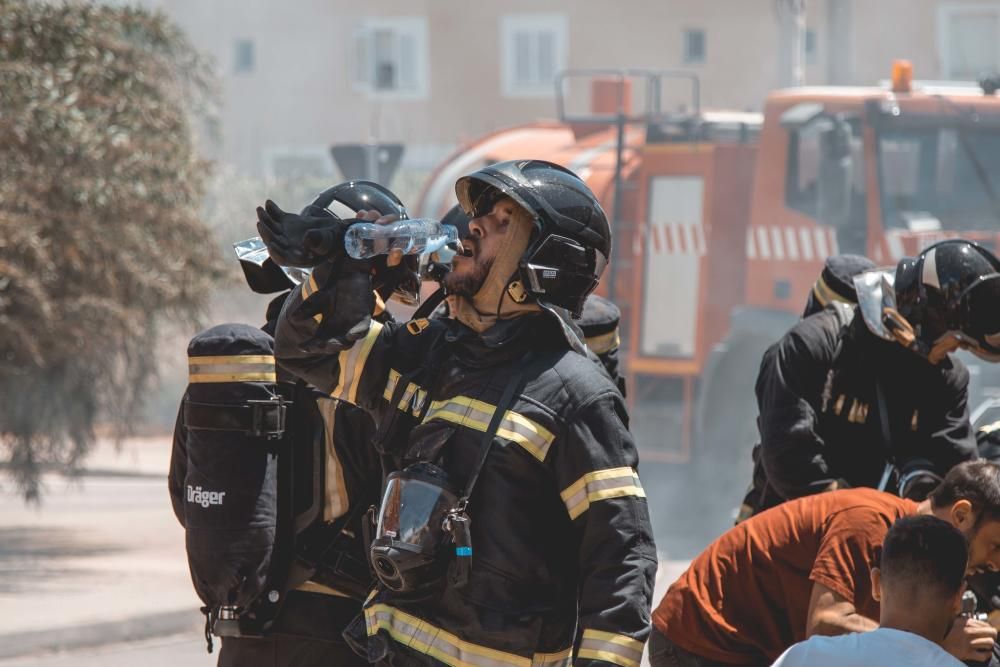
302, 241
343, 302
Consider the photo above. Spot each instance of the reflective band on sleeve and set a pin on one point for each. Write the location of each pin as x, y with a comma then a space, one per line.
352, 365
420, 636
236, 368
335, 493
309, 288
406, 402
601, 485
618, 649
464, 411
604, 343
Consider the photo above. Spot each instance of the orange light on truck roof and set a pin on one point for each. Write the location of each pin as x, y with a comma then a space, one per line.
902, 76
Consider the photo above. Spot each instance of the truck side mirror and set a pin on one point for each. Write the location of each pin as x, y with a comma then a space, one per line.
836, 172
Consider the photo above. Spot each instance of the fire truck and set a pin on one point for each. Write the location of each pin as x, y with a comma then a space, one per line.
721, 220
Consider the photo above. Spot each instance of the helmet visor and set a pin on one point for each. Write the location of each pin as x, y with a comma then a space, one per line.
980, 326
413, 510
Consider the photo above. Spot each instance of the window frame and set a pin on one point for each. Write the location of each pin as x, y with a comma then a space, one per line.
945, 12
686, 56
513, 24
238, 65
416, 27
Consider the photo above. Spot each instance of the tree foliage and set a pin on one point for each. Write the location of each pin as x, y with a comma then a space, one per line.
100, 235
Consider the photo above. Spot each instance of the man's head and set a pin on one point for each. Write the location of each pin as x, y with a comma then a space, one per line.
948, 297
570, 243
921, 573
969, 498
487, 239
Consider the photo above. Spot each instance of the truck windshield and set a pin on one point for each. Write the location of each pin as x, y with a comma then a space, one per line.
944, 178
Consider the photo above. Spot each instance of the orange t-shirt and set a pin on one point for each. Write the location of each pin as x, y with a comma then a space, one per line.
745, 598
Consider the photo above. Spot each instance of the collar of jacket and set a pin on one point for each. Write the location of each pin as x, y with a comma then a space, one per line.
503, 342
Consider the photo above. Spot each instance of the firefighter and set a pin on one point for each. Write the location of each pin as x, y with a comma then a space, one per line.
532, 543
834, 286
870, 396
598, 322
307, 629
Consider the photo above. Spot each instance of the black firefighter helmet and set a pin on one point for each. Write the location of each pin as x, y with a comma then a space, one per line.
572, 242
952, 288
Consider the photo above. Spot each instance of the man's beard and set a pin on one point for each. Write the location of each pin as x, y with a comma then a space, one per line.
468, 284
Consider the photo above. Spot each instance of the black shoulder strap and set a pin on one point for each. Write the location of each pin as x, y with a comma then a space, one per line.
510, 393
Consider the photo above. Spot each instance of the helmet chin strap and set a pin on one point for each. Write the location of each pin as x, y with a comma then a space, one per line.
494, 301
905, 335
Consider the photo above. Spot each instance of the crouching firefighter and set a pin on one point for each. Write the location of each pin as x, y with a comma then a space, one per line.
870, 395
514, 530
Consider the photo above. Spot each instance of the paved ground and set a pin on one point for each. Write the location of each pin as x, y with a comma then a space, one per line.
102, 559
97, 575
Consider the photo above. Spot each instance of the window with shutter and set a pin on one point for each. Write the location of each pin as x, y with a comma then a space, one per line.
969, 40
534, 50
391, 57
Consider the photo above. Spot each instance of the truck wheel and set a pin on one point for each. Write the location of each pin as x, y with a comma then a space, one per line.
726, 431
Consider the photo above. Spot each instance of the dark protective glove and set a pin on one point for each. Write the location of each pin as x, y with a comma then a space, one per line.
343, 302
297, 240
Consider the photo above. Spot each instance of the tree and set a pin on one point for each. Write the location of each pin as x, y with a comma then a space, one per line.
100, 235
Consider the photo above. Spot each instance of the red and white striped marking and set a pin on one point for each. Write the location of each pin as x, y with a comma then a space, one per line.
780, 243
675, 239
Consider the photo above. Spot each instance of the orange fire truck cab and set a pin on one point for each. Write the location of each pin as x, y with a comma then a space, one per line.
722, 220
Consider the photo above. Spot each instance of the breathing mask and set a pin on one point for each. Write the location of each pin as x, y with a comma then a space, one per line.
419, 516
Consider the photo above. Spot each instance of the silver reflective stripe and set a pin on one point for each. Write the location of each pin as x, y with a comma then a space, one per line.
231, 368
601, 485
421, 636
464, 411
352, 364
610, 647
196, 369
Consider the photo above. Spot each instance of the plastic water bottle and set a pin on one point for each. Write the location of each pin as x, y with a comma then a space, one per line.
414, 237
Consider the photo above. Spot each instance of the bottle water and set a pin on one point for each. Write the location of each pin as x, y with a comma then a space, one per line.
413, 237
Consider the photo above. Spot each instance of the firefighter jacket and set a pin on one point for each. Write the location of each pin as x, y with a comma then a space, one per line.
563, 555
819, 417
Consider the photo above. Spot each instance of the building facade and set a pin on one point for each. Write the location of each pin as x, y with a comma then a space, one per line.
301, 75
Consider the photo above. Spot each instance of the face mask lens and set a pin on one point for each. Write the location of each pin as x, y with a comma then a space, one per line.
412, 512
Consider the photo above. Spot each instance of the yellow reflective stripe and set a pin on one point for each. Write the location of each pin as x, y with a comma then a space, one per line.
231, 368
234, 359
471, 413
314, 587
352, 365
601, 485
406, 402
309, 288
824, 294
207, 378
553, 659
604, 342
335, 492
618, 649
423, 637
